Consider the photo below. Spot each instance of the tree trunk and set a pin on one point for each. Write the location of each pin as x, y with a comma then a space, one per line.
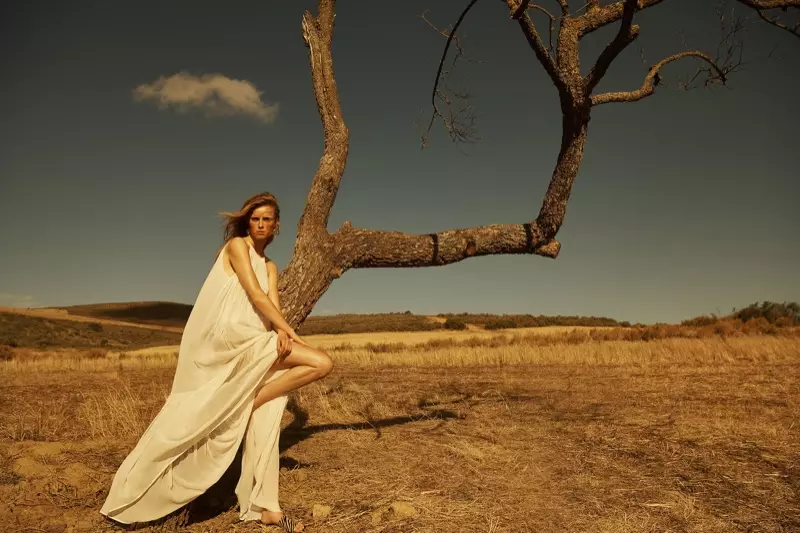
575, 125
306, 278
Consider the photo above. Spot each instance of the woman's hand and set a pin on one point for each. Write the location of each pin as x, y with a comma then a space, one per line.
284, 344
294, 336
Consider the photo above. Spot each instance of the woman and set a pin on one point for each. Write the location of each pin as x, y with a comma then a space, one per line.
238, 359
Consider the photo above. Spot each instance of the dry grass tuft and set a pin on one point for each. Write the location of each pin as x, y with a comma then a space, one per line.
574, 350
120, 411
8, 474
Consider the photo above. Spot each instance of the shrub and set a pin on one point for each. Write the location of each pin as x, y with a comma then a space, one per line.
700, 321
770, 311
8, 341
758, 324
454, 323
724, 328
385, 347
500, 323
94, 354
350, 323
435, 344
652, 333
576, 336
6, 352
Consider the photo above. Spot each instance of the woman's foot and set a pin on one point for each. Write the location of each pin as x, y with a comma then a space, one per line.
277, 518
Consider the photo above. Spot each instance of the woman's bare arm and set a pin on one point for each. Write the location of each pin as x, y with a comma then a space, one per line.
272, 269
274, 297
239, 254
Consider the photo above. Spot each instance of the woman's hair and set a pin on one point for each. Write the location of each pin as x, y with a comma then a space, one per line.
236, 223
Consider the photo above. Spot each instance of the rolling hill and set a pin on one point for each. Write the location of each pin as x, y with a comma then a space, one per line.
166, 314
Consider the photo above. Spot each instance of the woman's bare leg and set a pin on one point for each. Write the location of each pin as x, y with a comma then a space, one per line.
304, 365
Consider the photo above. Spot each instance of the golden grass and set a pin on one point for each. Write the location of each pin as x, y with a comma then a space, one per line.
78, 361
571, 348
418, 337
666, 351
507, 433
120, 410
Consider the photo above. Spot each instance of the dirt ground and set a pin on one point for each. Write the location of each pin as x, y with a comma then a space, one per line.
537, 448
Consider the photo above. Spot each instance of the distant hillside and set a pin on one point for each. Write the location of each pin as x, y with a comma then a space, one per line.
172, 314
488, 321
352, 323
24, 331
407, 321
780, 314
134, 325
168, 314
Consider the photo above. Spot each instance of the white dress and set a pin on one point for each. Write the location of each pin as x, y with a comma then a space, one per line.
225, 353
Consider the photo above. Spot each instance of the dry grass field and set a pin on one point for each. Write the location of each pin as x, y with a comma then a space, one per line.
571, 430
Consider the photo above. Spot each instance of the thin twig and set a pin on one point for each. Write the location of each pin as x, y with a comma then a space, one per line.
450, 36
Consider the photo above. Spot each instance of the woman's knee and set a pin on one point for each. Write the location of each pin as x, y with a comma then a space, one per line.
315, 358
323, 364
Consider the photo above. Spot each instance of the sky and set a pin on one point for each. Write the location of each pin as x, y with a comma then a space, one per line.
685, 202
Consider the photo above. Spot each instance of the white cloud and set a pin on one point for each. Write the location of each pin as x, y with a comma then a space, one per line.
16, 300
215, 94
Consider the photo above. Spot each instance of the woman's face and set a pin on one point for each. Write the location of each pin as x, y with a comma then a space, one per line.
262, 223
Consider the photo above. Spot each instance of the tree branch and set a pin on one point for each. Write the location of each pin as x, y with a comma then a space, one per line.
626, 35
652, 79
598, 16
459, 125
535, 42
551, 22
760, 6
317, 34
770, 4
523, 5
362, 248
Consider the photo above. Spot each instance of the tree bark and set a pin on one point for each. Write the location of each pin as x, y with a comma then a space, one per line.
311, 271
308, 275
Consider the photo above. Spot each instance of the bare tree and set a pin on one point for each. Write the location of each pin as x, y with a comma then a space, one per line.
320, 257
768, 10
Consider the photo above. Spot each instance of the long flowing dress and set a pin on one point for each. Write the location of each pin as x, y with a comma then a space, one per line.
226, 352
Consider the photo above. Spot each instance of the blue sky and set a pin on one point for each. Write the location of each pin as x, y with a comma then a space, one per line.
685, 203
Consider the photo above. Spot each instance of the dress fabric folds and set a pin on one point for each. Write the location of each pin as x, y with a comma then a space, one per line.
226, 353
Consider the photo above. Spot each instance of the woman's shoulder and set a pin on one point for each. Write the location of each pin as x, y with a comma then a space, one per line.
234, 247
237, 245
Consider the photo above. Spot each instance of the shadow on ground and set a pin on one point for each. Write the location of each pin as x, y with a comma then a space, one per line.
221, 497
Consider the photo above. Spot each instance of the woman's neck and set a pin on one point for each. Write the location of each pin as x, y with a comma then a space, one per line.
259, 246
